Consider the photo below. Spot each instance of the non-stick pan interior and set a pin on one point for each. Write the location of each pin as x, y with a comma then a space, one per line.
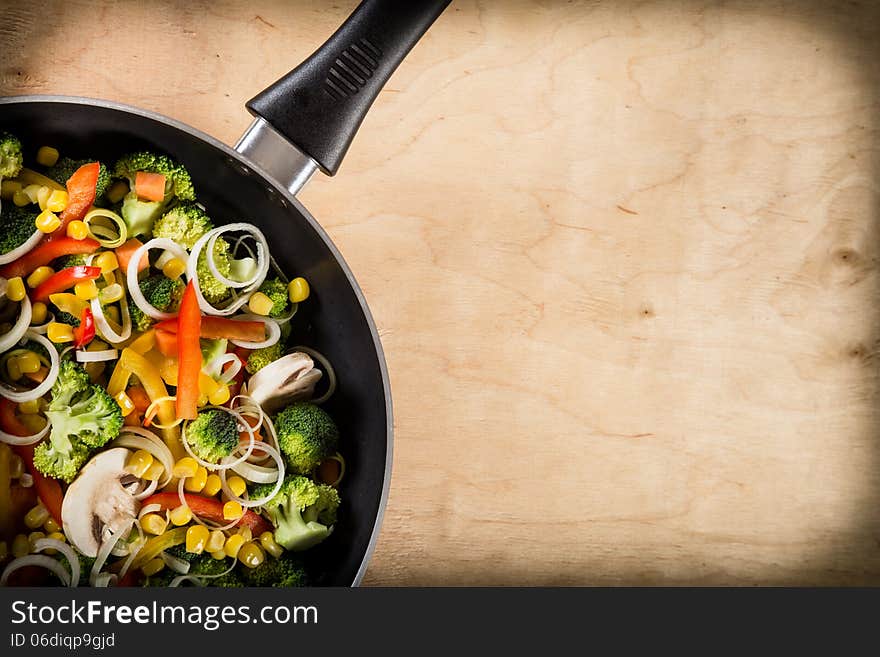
333, 320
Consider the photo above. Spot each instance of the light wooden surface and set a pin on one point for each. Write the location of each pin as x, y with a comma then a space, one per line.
623, 257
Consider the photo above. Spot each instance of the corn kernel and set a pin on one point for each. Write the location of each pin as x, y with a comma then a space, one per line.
111, 293
153, 523
220, 396
196, 538
20, 546
233, 545
246, 533
185, 467
16, 468
251, 555
127, 406
40, 275
8, 189
196, 483
155, 471
268, 543
153, 566
215, 542
86, 290
29, 363
15, 289
21, 199
219, 555
116, 191
43, 197
47, 156
4, 551
51, 527
47, 222
36, 517
174, 268
138, 462
39, 312
180, 515
33, 537
59, 333
212, 485
77, 230
232, 511
260, 304
58, 201
68, 303
32, 192
31, 407
57, 535
298, 290
236, 485
107, 261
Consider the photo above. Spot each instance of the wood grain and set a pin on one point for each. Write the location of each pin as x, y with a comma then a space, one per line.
623, 257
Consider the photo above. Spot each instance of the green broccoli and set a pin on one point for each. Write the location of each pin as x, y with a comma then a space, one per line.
213, 290
285, 572
69, 261
83, 417
16, 226
11, 156
276, 290
162, 293
290, 507
63, 317
306, 435
259, 358
140, 321
185, 223
64, 168
139, 215
212, 435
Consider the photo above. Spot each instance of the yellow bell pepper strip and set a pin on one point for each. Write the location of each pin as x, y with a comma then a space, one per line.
156, 545
144, 342
30, 177
189, 322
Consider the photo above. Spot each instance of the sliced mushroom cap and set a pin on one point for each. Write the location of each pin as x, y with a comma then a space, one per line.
97, 500
290, 378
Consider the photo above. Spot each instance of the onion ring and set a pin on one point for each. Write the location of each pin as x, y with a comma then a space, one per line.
272, 328
48, 382
20, 327
19, 251
134, 288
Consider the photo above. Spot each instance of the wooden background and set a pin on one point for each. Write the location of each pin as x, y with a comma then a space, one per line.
623, 257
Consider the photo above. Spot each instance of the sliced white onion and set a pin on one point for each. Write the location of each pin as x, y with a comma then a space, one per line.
136, 547
97, 356
40, 560
262, 254
164, 258
177, 581
26, 480
68, 552
104, 580
103, 235
256, 473
136, 438
18, 329
214, 369
174, 563
104, 551
279, 481
273, 331
134, 288
223, 465
9, 439
48, 382
149, 490
19, 251
103, 325
328, 368
148, 508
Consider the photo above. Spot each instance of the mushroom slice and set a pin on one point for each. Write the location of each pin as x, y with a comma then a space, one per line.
288, 379
97, 500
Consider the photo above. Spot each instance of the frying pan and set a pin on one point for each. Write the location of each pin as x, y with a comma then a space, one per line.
303, 123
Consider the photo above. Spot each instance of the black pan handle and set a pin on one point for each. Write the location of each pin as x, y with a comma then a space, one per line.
320, 104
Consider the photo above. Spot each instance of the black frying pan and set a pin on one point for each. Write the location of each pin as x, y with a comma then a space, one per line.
304, 122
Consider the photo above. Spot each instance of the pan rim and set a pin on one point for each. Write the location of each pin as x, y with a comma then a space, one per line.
316, 226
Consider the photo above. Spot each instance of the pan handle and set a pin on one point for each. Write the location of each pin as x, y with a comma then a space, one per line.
319, 106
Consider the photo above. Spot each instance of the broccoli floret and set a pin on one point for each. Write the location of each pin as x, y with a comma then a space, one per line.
213, 290
63, 317
83, 416
259, 358
69, 261
11, 157
288, 509
324, 510
178, 182
16, 226
162, 292
185, 224
140, 215
64, 168
287, 571
276, 290
140, 320
306, 434
212, 435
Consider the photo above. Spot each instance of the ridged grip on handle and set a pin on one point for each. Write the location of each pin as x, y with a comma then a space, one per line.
320, 104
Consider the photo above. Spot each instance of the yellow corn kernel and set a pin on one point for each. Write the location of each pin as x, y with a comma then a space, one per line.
116, 191
68, 303
33, 537
33, 423
260, 304
15, 290
298, 290
58, 201
51, 526
47, 222
138, 462
196, 483
127, 406
155, 471
86, 290
185, 467
20, 546
112, 313
251, 555
8, 189
215, 542
180, 515
107, 261
4, 551
16, 468
77, 230
212, 485
153, 566
59, 333
236, 485
267, 542
40, 275
12, 368
47, 156
246, 533
39, 312
220, 396
153, 523
219, 555
233, 545
232, 511
196, 538
57, 535
29, 363
31, 407
33, 192
21, 199
36, 517
111, 293
43, 197
174, 268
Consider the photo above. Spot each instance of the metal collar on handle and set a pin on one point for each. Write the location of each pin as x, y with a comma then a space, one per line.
262, 144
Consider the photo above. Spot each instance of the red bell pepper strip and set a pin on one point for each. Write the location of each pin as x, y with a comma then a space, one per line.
46, 252
221, 328
64, 280
81, 189
189, 354
85, 332
209, 508
48, 490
